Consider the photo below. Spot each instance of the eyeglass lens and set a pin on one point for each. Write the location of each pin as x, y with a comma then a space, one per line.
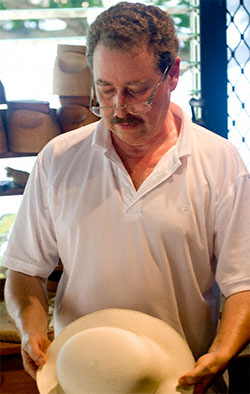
131, 108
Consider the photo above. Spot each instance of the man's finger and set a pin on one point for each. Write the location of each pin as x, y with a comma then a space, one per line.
33, 350
29, 365
33, 353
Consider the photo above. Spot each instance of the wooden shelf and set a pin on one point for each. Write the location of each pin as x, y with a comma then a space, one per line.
9, 155
7, 348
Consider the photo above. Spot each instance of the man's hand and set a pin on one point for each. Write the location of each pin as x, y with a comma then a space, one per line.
27, 304
231, 338
33, 351
204, 372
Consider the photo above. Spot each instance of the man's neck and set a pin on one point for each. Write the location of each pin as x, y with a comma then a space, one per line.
140, 160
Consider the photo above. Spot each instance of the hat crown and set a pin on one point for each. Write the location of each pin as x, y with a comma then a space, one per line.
110, 360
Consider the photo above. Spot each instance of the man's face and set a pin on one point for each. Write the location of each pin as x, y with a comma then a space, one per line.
128, 78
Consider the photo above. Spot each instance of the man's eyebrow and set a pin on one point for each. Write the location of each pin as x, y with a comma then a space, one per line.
102, 82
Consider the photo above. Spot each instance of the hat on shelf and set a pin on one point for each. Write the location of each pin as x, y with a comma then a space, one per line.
75, 100
30, 125
115, 351
72, 117
72, 76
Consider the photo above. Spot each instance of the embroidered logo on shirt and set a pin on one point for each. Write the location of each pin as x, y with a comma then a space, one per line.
185, 208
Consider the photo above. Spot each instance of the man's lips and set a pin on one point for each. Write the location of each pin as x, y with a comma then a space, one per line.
127, 124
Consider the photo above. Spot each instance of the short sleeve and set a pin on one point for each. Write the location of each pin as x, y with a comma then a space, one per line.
32, 247
232, 238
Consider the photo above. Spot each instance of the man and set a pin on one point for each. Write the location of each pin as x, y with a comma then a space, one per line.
139, 207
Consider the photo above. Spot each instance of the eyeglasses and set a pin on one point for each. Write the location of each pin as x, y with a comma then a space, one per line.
135, 109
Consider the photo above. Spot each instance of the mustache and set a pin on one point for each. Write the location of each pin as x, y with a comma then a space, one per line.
128, 119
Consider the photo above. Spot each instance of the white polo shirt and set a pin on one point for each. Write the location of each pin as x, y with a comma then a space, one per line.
155, 249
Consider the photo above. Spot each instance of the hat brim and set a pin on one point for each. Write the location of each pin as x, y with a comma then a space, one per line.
137, 322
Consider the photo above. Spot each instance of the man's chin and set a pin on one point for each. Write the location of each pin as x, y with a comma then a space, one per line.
126, 129
131, 135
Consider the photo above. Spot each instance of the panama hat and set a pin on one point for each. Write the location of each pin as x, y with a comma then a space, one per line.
115, 351
71, 76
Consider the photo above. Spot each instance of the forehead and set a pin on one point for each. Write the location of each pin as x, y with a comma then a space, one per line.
111, 64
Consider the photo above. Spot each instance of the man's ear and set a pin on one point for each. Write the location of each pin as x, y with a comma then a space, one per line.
174, 74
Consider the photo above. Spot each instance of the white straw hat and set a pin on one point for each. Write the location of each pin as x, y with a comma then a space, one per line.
115, 351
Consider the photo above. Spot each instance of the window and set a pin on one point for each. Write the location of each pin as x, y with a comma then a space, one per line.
238, 55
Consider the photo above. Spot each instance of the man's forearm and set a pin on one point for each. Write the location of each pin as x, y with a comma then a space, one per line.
233, 334
26, 301
234, 330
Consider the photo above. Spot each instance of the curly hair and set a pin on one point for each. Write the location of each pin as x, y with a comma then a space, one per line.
127, 25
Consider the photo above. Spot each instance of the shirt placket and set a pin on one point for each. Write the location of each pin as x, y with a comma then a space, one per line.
133, 199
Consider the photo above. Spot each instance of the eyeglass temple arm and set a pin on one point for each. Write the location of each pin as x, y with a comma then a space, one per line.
165, 73
92, 93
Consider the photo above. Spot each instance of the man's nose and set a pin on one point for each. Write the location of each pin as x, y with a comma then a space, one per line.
121, 111
120, 102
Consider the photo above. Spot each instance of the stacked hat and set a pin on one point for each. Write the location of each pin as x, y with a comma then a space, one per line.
72, 83
30, 125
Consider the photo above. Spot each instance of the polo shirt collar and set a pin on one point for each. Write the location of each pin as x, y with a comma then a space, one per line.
102, 137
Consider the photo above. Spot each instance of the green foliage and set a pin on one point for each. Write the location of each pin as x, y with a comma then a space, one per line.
20, 25
183, 18
57, 4
74, 3
6, 222
3, 5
